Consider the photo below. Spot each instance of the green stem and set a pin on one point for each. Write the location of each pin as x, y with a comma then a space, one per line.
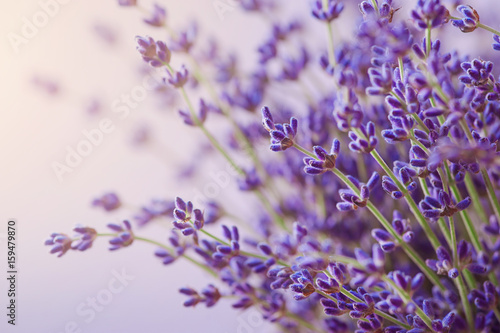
377, 312
428, 36
209, 135
386, 224
441, 222
469, 226
248, 254
238, 132
217, 146
267, 204
171, 251
491, 194
488, 28
470, 279
346, 260
462, 290
414, 115
106, 235
374, 4
331, 47
476, 202
413, 206
329, 33
401, 68
453, 241
497, 314
304, 151
358, 300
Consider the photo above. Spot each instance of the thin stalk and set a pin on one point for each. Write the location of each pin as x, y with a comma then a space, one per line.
329, 33
320, 201
410, 252
414, 115
388, 226
270, 209
462, 290
428, 35
346, 260
361, 166
469, 226
377, 312
248, 254
453, 241
476, 202
171, 251
209, 135
228, 158
374, 4
497, 314
488, 28
104, 235
185, 256
413, 206
240, 135
441, 222
401, 68
491, 194
470, 279
358, 300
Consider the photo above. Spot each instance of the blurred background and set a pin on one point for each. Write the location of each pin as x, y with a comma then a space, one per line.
54, 85
62, 81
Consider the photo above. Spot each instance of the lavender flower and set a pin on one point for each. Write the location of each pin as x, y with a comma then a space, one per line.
124, 235
60, 243
184, 40
443, 206
153, 52
187, 218
282, 135
325, 161
179, 78
429, 13
154, 210
209, 295
496, 42
329, 12
470, 20
485, 300
386, 240
126, 3
87, 236
108, 202
365, 143
352, 200
157, 17
478, 72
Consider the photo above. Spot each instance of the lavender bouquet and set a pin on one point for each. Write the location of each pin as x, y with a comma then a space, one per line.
377, 204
